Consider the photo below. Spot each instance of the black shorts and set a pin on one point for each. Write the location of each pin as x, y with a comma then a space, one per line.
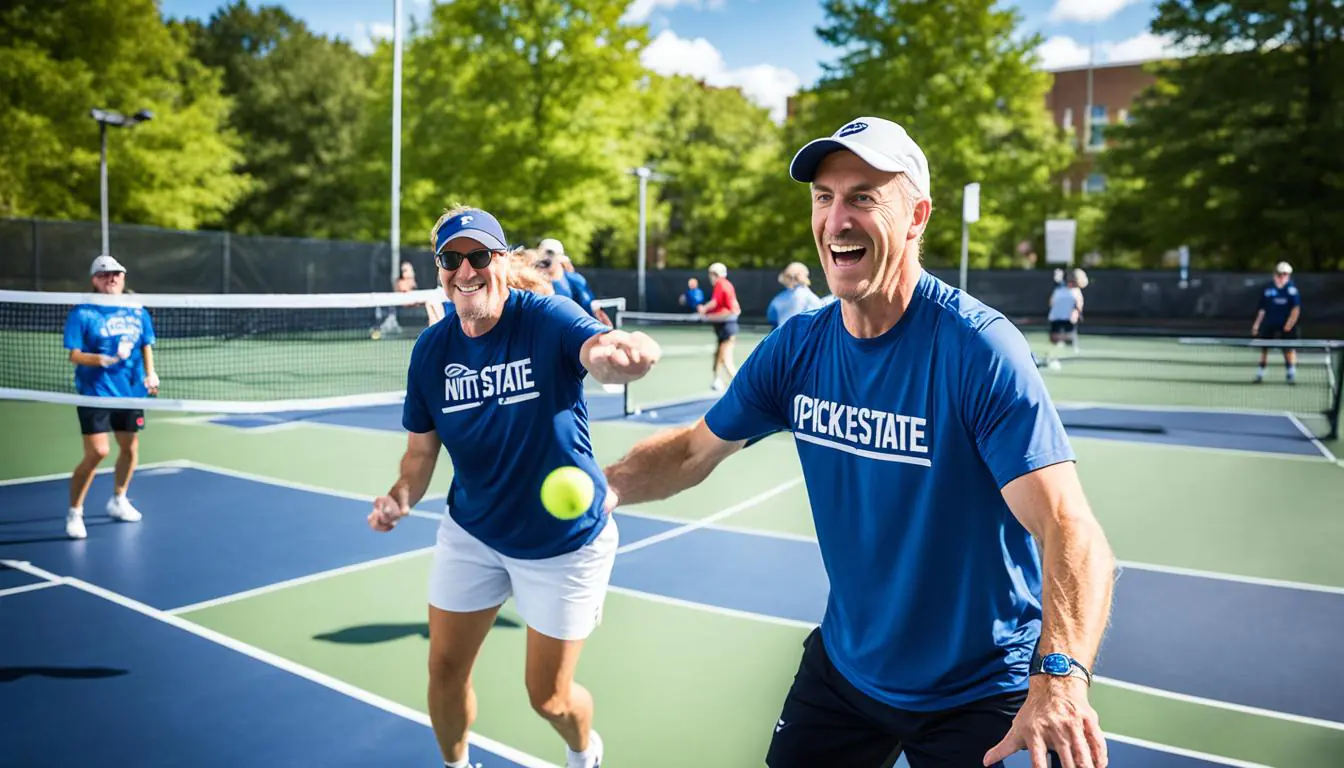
725, 331
97, 421
1277, 332
827, 721
1062, 326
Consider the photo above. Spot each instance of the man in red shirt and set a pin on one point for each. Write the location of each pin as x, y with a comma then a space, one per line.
722, 311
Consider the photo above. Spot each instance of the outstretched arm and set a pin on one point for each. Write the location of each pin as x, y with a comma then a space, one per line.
667, 463
618, 357
417, 467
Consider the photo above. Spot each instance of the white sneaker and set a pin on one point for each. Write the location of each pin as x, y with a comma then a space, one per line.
594, 748
74, 526
122, 510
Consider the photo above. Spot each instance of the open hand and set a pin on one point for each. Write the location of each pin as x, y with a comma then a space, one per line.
1055, 718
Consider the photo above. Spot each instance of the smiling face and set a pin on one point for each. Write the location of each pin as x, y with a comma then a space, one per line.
477, 294
864, 222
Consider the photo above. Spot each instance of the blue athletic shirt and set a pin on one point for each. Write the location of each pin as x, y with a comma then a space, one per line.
1278, 303
905, 442
509, 408
100, 329
581, 293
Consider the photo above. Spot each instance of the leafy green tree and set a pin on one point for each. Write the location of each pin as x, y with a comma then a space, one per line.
1236, 151
175, 171
297, 99
955, 76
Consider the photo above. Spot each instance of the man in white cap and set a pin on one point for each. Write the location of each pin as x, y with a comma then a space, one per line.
1280, 308
970, 584
111, 346
563, 271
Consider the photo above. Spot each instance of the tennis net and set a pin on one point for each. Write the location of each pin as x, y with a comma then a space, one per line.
1209, 376
230, 353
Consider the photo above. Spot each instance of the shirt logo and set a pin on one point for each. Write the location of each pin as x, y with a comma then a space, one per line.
866, 432
465, 388
853, 128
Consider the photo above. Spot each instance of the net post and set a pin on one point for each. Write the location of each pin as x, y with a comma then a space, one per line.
1337, 356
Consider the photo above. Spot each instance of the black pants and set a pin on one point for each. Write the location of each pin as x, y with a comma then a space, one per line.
827, 721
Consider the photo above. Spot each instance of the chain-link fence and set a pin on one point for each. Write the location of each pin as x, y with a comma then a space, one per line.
55, 256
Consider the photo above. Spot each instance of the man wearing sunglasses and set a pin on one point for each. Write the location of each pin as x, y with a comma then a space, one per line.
499, 383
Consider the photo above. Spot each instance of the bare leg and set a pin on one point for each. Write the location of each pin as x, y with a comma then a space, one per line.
454, 642
726, 358
563, 703
95, 450
128, 455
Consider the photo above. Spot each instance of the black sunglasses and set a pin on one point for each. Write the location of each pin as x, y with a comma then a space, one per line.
451, 260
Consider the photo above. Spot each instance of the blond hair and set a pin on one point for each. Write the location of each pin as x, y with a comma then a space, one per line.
526, 277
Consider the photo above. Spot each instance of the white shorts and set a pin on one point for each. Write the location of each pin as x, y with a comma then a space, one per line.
559, 597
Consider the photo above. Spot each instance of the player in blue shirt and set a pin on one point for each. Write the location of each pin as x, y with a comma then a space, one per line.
693, 296
499, 383
111, 346
935, 465
796, 297
1280, 308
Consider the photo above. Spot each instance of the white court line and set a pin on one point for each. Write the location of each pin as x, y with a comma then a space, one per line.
730, 528
1315, 722
359, 694
99, 471
29, 588
1330, 457
711, 519
320, 575
1183, 752
1200, 448
764, 618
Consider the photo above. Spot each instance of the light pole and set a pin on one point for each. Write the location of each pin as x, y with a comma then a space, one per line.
105, 118
396, 140
645, 174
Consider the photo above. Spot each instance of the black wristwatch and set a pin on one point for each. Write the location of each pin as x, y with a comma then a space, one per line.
1059, 665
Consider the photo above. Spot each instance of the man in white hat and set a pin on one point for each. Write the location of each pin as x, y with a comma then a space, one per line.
111, 345
1276, 318
970, 583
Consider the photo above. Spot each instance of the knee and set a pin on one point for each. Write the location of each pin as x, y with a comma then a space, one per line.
94, 454
548, 702
445, 670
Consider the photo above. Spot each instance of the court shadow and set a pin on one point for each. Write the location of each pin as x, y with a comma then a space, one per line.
369, 634
10, 674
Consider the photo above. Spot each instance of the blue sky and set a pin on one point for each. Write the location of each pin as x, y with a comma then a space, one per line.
766, 47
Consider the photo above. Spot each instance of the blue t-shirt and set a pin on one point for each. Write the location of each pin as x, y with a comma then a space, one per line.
562, 288
509, 408
1278, 303
905, 442
694, 297
578, 288
102, 329
790, 302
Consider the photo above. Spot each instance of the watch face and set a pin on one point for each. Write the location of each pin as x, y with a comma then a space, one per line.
1055, 664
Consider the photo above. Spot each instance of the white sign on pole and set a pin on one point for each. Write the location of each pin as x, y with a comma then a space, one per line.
970, 203
1059, 239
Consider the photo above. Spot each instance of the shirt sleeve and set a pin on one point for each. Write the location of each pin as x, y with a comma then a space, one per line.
756, 402
1016, 426
1265, 301
1294, 296
575, 327
147, 337
74, 330
415, 415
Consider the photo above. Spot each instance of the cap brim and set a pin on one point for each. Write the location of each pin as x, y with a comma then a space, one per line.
808, 160
479, 235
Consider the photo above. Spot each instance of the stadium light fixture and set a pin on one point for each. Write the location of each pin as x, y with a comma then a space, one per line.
645, 175
106, 117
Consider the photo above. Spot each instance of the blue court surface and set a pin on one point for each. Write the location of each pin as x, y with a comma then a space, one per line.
86, 633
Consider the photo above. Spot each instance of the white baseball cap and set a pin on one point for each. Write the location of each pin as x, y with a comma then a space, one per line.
880, 143
1284, 268
105, 263
552, 246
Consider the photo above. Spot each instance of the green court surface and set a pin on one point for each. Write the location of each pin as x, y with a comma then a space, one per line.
686, 684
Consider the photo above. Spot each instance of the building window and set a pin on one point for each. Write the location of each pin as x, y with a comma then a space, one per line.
1097, 137
1095, 183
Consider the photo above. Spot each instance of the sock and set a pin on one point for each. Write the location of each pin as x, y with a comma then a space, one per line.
120, 497
588, 757
76, 511
465, 762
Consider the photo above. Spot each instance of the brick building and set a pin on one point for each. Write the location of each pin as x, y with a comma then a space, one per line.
1113, 89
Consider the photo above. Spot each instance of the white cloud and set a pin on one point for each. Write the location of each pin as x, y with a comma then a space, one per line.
367, 35
1060, 52
765, 84
640, 10
1088, 10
